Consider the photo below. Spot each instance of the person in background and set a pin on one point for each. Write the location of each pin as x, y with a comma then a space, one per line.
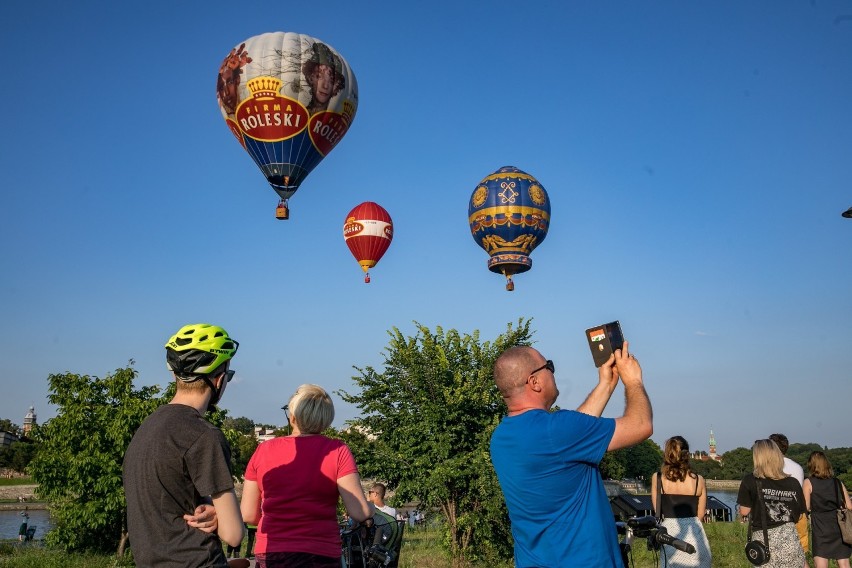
682, 495
177, 463
824, 494
252, 530
292, 485
22, 530
783, 502
547, 462
376, 496
794, 470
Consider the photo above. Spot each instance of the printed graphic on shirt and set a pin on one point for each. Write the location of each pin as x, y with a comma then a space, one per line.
780, 505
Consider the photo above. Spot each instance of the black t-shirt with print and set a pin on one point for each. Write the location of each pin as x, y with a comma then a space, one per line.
782, 498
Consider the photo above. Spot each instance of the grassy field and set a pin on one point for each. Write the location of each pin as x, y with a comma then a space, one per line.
4, 482
420, 549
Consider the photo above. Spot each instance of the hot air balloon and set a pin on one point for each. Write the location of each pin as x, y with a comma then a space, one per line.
368, 231
289, 99
509, 215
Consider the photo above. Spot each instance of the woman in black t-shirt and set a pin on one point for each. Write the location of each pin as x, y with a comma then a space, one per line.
783, 502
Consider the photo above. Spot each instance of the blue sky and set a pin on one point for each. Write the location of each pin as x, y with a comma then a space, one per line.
697, 158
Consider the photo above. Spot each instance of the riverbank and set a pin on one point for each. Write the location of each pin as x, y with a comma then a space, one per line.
723, 484
16, 497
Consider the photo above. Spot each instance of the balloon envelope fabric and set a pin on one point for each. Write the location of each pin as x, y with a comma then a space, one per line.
289, 99
509, 216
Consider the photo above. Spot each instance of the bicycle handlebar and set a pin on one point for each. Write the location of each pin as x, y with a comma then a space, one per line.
647, 527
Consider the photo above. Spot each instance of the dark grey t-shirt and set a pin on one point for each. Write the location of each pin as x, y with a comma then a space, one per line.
174, 460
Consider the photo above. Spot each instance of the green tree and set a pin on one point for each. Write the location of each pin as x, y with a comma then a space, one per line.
20, 454
78, 464
710, 469
242, 448
612, 466
7, 425
426, 427
737, 463
242, 425
641, 460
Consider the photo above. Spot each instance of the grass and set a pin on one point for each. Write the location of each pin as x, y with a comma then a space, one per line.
4, 482
421, 548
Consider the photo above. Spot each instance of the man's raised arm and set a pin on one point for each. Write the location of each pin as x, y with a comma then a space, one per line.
637, 423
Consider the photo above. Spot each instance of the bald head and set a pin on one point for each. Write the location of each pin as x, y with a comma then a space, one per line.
512, 368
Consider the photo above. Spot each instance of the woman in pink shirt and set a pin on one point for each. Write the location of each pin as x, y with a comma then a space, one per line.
292, 485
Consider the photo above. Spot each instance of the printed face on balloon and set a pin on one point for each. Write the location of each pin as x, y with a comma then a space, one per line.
289, 99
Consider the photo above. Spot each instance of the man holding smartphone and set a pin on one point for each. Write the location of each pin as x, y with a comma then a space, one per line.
547, 462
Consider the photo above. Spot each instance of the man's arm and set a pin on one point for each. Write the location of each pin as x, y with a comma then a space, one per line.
231, 528
599, 397
203, 518
637, 423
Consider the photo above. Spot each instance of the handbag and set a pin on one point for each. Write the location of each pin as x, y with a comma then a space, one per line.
844, 515
758, 552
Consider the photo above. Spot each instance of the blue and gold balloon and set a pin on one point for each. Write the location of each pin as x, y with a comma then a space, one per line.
509, 215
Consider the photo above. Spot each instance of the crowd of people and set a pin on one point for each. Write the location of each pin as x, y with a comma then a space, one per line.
182, 505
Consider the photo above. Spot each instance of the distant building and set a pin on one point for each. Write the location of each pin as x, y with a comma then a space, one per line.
29, 421
712, 455
263, 434
7, 438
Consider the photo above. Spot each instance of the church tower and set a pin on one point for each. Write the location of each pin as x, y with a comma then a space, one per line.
712, 445
29, 421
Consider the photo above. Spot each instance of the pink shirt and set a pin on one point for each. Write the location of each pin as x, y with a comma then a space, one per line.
297, 478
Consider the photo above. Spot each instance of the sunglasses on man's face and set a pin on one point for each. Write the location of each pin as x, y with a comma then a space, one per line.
547, 365
229, 375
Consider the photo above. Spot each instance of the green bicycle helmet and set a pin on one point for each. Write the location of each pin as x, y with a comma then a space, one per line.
199, 349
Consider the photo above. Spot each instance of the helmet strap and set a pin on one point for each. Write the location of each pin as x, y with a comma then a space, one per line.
217, 393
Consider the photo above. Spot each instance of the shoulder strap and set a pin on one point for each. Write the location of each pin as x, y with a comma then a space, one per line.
762, 514
696, 482
659, 495
838, 491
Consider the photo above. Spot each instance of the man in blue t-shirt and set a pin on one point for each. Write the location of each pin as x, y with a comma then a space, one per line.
547, 462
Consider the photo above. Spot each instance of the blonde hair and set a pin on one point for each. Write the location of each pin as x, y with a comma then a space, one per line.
312, 409
768, 460
819, 466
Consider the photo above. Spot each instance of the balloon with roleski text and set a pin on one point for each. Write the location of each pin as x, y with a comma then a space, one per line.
289, 99
509, 215
368, 232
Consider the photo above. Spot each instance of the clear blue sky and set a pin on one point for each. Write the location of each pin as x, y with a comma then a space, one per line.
697, 157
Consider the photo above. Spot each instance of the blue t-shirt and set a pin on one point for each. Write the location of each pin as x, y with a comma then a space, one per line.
547, 464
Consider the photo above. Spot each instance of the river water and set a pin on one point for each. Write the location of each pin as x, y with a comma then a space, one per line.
728, 497
10, 522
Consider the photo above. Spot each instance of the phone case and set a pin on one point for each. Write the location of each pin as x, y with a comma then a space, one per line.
603, 340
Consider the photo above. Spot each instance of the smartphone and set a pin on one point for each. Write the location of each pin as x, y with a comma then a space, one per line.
603, 340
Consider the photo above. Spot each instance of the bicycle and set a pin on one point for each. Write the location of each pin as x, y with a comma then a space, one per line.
374, 544
652, 531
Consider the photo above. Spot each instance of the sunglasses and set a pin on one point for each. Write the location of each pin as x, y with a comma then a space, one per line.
547, 365
229, 375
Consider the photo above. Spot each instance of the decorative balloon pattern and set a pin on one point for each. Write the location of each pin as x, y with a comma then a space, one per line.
288, 99
509, 216
368, 232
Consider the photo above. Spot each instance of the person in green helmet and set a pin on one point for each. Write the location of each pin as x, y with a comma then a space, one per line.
177, 462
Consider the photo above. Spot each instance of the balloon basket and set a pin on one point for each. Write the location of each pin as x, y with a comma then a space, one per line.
510, 285
367, 279
282, 212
